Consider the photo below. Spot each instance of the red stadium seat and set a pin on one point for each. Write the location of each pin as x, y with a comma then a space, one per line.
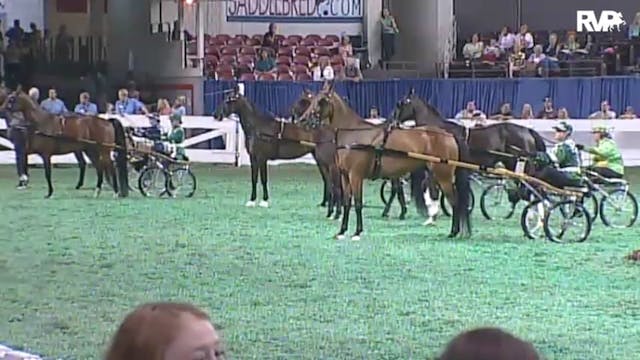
325, 42
229, 51
294, 38
217, 42
337, 60
321, 51
222, 37
303, 50
236, 41
253, 42
332, 38
248, 50
303, 77
285, 77
283, 60
228, 59
266, 77
224, 75
211, 50
301, 60
285, 51
223, 67
298, 68
283, 68
337, 69
324, 58
247, 77
308, 42
315, 37
244, 37
279, 38
246, 59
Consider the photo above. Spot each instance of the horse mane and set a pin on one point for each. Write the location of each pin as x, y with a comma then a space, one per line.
428, 106
338, 100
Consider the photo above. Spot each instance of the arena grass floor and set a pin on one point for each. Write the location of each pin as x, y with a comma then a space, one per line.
282, 288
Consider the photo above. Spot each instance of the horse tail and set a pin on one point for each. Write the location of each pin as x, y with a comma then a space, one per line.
418, 178
538, 140
463, 187
121, 157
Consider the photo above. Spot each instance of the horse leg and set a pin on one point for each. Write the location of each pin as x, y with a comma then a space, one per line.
394, 191
254, 182
346, 205
110, 171
46, 161
324, 172
336, 185
356, 189
447, 189
403, 202
82, 164
265, 191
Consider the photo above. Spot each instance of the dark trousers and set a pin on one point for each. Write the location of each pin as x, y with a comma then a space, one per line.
388, 46
18, 137
557, 178
606, 172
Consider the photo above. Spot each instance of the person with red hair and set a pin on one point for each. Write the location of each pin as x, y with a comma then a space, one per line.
166, 331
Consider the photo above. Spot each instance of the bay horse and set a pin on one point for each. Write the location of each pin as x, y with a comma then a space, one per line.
366, 151
500, 142
397, 190
35, 141
93, 135
269, 139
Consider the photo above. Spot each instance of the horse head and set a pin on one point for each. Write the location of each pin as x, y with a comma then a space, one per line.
321, 107
234, 103
301, 105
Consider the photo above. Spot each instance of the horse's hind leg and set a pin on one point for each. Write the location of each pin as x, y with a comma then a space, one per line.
394, 190
326, 181
264, 180
356, 189
46, 161
82, 164
110, 171
446, 185
403, 202
254, 182
336, 186
346, 206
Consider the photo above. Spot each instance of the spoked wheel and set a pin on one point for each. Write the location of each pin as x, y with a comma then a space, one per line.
619, 209
532, 220
591, 204
446, 208
133, 176
567, 222
153, 182
495, 204
182, 183
386, 188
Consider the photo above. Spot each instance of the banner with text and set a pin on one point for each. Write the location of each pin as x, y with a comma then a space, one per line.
295, 11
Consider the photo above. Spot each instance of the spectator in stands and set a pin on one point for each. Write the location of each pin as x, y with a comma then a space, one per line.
553, 46
34, 94
473, 49
269, 38
571, 45
488, 343
351, 70
563, 114
634, 27
470, 112
629, 114
265, 62
128, 106
86, 107
516, 59
163, 107
505, 113
169, 331
179, 106
605, 112
16, 33
323, 71
525, 39
506, 39
52, 104
492, 52
389, 32
345, 49
374, 113
537, 56
547, 112
527, 112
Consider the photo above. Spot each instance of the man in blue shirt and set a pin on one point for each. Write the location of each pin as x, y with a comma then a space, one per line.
128, 106
16, 33
53, 105
86, 107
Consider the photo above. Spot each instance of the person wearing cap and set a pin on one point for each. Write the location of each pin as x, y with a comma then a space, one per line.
177, 135
607, 158
566, 156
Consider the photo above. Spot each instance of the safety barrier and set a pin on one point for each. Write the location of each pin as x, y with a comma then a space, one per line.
625, 132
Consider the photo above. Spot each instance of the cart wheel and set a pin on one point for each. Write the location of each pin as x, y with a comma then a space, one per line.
153, 182
495, 204
133, 176
567, 222
182, 183
532, 220
446, 208
619, 209
591, 204
385, 191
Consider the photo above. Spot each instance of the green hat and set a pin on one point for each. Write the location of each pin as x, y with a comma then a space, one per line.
563, 126
602, 129
176, 117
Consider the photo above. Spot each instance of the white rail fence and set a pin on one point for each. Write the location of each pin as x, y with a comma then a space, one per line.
625, 132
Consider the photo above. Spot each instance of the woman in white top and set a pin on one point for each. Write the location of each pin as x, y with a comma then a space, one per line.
524, 37
473, 50
506, 39
323, 71
527, 112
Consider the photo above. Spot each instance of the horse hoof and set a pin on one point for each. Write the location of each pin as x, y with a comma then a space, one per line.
385, 215
355, 238
264, 204
452, 235
340, 237
116, 195
401, 217
78, 187
428, 222
250, 203
323, 204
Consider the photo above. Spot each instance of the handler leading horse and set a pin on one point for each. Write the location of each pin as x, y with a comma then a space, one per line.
93, 135
366, 151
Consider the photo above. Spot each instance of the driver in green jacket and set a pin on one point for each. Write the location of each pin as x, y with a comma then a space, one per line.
606, 154
177, 135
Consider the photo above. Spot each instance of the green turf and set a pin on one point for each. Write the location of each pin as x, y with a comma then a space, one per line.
72, 266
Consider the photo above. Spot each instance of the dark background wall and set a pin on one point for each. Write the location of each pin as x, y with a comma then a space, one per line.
486, 16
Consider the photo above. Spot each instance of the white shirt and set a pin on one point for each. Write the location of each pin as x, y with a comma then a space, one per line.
601, 115
326, 74
528, 39
464, 114
536, 58
506, 41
